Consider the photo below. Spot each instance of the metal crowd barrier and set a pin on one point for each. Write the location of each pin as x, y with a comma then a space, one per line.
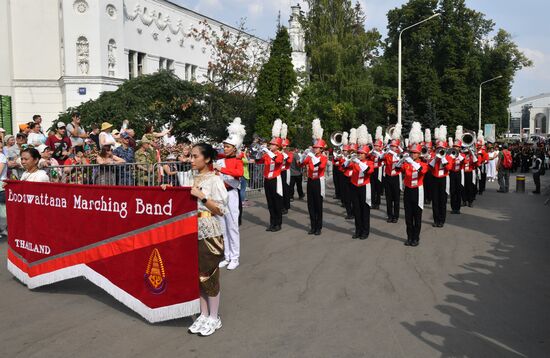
136, 174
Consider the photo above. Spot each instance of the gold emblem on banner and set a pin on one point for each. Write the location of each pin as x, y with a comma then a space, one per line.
155, 276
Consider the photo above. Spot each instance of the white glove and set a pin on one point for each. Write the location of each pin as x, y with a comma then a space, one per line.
363, 166
356, 160
311, 155
409, 160
444, 161
270, 153
285, 156
315, 160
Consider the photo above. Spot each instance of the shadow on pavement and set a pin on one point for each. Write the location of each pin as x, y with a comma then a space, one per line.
498, 309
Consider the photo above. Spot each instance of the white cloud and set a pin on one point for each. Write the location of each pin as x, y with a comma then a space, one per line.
255, 9
541, 64
204, 5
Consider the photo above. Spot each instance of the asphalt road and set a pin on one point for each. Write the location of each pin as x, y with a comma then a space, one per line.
480, 287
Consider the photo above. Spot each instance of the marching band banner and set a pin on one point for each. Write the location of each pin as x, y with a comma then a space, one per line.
139, 244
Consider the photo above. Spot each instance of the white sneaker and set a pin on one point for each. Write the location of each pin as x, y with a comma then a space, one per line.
210, 326
233, 265
223, 263
198, 324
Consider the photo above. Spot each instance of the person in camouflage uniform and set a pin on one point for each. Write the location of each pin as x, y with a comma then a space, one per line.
145, 159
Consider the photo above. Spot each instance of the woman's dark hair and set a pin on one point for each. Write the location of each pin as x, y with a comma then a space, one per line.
32, 152
33, 124
207, 151
104, 150
148, 128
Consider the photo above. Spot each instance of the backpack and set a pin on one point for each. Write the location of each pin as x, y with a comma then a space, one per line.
506, 159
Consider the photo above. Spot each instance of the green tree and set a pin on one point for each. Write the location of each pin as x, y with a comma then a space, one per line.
162, 98
276, 84
340, 50
445, 60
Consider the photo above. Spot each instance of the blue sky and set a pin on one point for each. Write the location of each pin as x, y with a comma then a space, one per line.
526, 20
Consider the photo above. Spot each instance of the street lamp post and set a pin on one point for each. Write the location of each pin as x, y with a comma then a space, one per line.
479, 114
399, 100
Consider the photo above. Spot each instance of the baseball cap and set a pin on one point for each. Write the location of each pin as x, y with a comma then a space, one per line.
125, 135
60, 125
41, 148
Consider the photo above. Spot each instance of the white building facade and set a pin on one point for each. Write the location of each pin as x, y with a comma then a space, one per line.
529, 116
60, 53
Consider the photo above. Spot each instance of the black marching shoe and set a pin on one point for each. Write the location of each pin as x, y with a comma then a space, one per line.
311, 232
415, 243
408, 242
455, 212
269, 228
349, 217
355, 236
480, 193
536, 192
317, 233
441, 224
389, 220
276, 228
435, 225
394, 221
364, 237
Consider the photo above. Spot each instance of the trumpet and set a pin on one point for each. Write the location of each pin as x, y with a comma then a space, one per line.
441, 153
452, 152
256, 150
425, 150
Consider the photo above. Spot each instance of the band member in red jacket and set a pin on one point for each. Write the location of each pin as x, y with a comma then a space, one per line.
362, 192
456, 178
469, 165
316, 163
392, 183
288, 155
483, 160
440, 166
272, 159
377, 159
230, 167
347, 186
414, 170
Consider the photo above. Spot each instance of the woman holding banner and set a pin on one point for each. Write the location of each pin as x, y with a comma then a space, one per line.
212, 199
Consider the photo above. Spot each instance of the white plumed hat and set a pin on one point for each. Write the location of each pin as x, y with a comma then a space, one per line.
236, 132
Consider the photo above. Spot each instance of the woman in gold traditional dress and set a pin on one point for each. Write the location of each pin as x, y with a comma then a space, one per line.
211, 196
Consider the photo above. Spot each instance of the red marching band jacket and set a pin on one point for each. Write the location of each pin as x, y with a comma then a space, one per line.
359, 176
315, 171
439, 170
413, 178
232, 170
482, 157
469, 164
288, 161
376, 159
456, 163
272, 167
390, 160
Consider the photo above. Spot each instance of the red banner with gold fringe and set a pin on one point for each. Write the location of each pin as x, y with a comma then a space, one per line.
137, 243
